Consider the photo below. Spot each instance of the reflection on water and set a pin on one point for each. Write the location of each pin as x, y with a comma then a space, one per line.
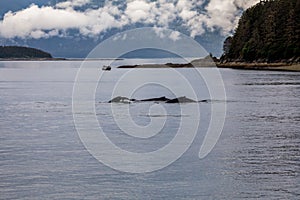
41, 156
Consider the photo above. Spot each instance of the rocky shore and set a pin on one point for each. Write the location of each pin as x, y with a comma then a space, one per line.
261, 66
202, 62
213, 62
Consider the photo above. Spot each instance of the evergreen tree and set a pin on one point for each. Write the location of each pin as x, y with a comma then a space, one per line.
268, 31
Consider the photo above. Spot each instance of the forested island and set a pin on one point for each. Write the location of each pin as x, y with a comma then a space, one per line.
268, 32
22, 53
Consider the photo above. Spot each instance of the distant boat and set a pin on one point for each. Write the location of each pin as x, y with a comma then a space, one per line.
106, 68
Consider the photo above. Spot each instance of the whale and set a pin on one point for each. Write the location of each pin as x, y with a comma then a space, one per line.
164, 99
181, 100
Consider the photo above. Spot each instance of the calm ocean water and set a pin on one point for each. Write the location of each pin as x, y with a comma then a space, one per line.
42, 157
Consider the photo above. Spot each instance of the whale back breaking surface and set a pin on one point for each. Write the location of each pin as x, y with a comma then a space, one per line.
164, 99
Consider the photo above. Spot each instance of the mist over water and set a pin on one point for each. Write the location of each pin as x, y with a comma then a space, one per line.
42, 157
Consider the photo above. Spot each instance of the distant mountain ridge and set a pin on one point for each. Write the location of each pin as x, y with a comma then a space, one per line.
18, 52
267, 32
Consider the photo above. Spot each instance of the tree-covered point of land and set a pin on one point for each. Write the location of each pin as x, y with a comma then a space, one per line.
268, 31
8, 52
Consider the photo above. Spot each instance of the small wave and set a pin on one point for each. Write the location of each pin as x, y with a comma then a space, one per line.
84, 113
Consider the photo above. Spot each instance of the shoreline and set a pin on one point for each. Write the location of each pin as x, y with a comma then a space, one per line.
295, 67
57, 59
230, 65
33, 59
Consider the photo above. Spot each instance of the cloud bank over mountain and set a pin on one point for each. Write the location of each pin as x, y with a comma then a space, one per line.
195, 16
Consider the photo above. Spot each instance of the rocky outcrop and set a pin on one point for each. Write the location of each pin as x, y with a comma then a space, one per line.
208, 61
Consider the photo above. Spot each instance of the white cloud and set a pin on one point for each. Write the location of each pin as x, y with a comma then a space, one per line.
175, 35
48, 21
35, 19
224, 14
159, 31
138, 10
72, 3
165, 33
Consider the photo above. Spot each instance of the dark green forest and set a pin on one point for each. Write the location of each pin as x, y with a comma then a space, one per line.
267, 32
8, 52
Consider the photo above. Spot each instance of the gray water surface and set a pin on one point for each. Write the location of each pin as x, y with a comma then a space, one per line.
42, 157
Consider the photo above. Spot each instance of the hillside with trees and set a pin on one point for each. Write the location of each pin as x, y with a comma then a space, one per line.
267, 32
16, 52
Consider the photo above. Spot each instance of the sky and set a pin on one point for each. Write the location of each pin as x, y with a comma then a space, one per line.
62, 26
